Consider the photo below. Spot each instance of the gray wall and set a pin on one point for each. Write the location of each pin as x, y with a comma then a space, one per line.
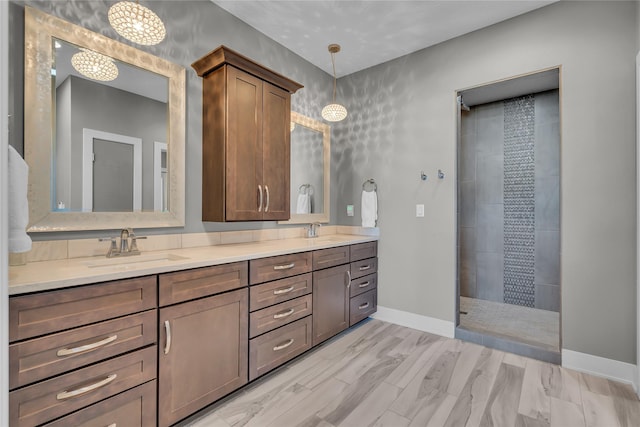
413, 127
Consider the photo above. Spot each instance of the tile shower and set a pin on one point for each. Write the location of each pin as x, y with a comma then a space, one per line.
509, 205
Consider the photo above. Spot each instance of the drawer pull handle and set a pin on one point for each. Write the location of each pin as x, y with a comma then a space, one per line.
260, 198
167, 345
284, 267
364, 267
266, 206
348, 279
364, 285
113, 425
284, 345
82, 390
69, 351
282, 291
363, 306
284, 314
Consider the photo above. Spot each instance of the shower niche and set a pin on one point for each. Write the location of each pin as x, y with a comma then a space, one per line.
508, 218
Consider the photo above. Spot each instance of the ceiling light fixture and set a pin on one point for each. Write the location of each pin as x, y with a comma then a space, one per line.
94, 65
136, 23
334, 112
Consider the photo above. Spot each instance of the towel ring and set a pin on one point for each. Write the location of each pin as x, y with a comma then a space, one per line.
372, 182
305, 189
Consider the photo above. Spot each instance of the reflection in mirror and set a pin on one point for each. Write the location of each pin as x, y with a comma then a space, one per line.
310, 152
123, 164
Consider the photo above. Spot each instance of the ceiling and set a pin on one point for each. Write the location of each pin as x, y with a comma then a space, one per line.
370, 32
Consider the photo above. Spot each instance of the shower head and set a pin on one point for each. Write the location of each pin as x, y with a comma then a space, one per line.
463, 106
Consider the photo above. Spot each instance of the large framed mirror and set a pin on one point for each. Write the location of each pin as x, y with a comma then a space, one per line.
101, 154
310, 170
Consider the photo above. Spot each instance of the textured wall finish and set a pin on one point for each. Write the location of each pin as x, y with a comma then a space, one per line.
519, 201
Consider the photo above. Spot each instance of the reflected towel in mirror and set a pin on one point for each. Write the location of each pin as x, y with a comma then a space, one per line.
304, 203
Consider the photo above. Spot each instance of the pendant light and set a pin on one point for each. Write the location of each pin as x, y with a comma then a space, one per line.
136, 23
94, 65
334, 112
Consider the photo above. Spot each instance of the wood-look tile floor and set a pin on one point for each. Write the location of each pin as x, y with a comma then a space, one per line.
380, 374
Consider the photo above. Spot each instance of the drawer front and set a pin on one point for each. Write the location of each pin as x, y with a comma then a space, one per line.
40, 358
325, 258
200, 282
133, 408
363, 306
276, 347
364, 267
279, 267
45, 401
261, 296
268, 319
363, 284
362, 251
47, 312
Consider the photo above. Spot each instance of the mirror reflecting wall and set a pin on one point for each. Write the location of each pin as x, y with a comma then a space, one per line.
104, 151
310, 154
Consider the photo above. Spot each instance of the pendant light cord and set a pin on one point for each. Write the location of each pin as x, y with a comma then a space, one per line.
333, 62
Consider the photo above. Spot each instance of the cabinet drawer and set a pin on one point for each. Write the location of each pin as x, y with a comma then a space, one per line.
363, 284
45, 401
278, 267
364, 250
362, 306
273, 317
46, 312
187, 285
261, 296
364, 267
325, 258
276, 347
40, 358
133, 408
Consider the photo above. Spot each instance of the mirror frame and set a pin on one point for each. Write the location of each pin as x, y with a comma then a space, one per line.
325, 129
40, 29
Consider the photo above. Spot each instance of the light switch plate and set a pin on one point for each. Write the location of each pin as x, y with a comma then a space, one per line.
349, 210
419, 211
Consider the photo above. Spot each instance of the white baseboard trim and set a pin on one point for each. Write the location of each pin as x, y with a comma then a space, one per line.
600, 366
416, 321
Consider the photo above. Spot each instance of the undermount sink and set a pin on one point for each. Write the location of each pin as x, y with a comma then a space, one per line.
132, 261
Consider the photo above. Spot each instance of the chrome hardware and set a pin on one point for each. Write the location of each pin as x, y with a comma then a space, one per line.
167, 344
363, 306
282, 291
423, 176
283, 345
312, 230
126, 248
82, 390
348, 279
372, 182
364, 285
364, 268
266, 207
440, 174
260, 198
284, 267
69, 351
284, 314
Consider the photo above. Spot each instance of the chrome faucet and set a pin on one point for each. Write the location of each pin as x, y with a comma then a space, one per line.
126, 248
312, 230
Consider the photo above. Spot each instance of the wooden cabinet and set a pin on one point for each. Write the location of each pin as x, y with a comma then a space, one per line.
246, 113
202, 353
330, 302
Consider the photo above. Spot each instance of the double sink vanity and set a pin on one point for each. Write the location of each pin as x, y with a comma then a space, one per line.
151, 339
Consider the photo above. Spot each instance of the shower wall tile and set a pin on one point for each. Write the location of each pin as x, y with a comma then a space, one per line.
468, 122
547, 105
547, 149
489, 228
490, 164
467, 203
547, 266
547, 203
489, 189
548, 297
489, 276
490, 135
467, 159
467, 270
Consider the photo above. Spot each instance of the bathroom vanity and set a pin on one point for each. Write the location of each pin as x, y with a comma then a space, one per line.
173, 334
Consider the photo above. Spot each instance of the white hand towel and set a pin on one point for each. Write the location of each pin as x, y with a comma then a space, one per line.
304, 204
19, 240
369, 208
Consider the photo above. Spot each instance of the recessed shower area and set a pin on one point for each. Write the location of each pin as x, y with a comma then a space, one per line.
508, 230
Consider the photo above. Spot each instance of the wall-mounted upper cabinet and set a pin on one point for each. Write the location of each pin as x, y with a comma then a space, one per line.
246, 116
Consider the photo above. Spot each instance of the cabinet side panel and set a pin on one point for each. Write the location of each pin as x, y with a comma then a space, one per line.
213, 143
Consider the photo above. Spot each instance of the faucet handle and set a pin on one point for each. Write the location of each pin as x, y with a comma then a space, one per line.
113, 248
134, 245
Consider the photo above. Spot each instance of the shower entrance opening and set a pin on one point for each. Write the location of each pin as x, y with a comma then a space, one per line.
508, 217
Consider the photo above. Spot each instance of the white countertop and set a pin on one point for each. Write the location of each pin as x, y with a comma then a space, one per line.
49, 275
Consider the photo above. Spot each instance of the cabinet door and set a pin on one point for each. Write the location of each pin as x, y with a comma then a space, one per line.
276, 151
203, 353
330, 302
244, 147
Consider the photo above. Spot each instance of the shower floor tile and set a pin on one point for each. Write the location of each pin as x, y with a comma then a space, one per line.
531, 326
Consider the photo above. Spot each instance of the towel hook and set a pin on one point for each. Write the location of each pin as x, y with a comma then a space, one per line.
423, 176
440, 174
